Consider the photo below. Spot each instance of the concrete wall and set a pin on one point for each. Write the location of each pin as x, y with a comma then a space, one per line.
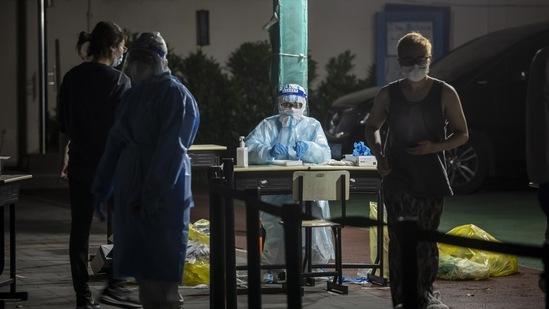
334, 26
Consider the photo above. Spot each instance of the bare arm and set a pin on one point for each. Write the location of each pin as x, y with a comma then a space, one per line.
454, 114
64, 151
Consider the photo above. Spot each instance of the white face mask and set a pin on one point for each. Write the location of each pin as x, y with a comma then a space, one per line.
415, 73
289, 116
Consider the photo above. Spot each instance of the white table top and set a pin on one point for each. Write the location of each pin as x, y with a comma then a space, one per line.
206, 147
13, 178
304, 167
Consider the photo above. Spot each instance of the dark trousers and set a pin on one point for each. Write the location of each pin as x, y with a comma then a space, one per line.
80, 182
428, 210
82, 213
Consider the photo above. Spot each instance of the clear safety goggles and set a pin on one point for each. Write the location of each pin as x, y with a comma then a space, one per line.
297, 105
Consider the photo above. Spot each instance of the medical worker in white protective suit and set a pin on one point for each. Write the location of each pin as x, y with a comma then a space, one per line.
290, 135
146, 166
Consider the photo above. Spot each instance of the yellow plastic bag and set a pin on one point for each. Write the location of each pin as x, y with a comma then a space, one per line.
197, 263
373, 241
196, 272
453, 268
200, 230
498, 264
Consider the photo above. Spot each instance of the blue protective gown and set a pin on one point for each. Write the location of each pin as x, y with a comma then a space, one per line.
147, 166
260, 142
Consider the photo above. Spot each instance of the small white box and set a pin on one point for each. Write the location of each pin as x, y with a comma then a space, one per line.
102, 261
361, 160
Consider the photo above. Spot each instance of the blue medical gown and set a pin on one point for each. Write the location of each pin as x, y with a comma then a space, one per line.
146, 165
260, 142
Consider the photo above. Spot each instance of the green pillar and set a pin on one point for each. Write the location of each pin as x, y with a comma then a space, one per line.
288, 36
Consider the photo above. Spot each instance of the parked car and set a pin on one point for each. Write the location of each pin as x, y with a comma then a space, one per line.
490, 75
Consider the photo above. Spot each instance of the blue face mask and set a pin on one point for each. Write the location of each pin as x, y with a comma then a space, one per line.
118, 61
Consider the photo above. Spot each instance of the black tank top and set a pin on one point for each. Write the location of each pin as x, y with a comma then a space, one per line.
410, 123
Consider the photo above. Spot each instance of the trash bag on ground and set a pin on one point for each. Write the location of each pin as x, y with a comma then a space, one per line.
453, 268
373, 241
197, 263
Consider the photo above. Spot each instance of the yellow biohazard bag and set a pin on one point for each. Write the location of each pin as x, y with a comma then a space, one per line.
498, 264
197, 263
373, 241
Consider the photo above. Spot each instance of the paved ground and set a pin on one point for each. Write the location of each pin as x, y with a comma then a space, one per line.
43, 269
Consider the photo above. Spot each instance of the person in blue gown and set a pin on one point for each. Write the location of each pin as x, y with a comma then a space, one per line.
147, 168
290, 135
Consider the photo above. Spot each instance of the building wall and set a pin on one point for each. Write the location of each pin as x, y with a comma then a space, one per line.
334, 27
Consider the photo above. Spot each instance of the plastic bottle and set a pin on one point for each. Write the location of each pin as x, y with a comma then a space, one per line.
241, 153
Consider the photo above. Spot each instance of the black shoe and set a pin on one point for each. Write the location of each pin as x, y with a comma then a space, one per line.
120, 296
87, 303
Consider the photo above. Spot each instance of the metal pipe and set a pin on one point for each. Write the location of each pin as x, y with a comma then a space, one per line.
21, 81
42, 79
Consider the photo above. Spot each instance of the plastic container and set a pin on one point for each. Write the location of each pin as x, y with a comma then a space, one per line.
241, 153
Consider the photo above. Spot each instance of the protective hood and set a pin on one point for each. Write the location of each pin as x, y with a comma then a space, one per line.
292, 102
146, 60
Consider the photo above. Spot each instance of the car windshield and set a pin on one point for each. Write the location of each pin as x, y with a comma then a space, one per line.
475, 53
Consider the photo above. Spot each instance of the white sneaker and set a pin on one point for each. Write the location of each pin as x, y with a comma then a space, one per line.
434, 301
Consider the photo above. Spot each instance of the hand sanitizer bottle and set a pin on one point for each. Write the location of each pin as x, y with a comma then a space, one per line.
241, 153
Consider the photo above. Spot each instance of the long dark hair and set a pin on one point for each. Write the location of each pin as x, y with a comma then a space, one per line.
104, 35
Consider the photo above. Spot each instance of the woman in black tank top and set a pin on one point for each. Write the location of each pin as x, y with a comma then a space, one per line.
417, 109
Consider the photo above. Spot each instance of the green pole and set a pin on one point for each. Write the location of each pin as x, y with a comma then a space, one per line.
288, 35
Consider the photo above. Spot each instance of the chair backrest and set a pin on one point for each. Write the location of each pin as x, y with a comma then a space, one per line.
320, 185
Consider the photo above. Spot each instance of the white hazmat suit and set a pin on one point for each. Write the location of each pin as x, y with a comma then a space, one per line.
291, 136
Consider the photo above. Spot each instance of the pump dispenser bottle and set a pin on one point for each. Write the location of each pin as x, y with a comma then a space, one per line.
241, 153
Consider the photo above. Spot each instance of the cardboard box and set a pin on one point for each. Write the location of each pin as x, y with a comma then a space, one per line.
361, 160
102, 261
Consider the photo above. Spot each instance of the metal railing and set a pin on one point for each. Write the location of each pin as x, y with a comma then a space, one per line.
223, 281
223, 287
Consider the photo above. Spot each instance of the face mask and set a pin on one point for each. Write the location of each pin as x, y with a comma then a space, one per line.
289, 116
291, 111
415, 73
118, 61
